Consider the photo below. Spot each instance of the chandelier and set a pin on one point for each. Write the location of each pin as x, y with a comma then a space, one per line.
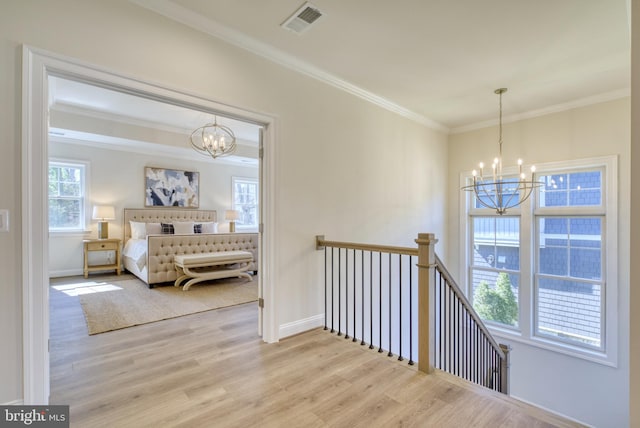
213, 140
495, 191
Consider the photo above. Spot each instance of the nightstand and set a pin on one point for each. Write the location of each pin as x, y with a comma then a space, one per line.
101, 245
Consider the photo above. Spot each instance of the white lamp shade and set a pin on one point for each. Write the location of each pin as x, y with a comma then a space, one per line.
232, 215
104, 212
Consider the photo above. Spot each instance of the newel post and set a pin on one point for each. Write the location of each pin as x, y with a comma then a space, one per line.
426, 278
505, 364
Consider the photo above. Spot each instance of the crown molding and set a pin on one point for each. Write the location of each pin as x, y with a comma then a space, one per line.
236, 38
86, 139
80, 110
582, 102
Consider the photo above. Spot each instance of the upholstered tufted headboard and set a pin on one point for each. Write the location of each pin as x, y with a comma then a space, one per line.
164, 215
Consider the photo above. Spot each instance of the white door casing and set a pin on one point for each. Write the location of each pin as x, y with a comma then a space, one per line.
37, 66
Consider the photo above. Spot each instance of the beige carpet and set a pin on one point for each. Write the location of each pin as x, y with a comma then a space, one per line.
112, 305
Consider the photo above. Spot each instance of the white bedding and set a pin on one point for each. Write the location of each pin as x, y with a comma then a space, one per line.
136, 250
151, 258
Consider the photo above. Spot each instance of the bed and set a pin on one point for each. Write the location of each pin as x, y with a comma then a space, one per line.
153, 236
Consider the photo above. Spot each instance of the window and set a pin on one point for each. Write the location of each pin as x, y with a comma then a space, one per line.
495, 268
570, 222
545, 272
67, 196
245, 201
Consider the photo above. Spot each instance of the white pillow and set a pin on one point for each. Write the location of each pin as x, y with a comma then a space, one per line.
210, 227
183, 227
138, 230
154, 229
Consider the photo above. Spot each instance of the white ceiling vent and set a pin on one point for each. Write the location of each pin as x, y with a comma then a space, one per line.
302, 18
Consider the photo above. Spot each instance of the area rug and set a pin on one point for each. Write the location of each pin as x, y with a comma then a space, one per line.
113, 305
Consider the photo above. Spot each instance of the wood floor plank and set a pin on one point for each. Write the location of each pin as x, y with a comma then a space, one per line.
212, 370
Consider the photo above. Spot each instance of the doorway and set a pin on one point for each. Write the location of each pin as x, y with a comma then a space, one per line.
38, 67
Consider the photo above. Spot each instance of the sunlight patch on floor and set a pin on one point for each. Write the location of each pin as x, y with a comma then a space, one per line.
88, 287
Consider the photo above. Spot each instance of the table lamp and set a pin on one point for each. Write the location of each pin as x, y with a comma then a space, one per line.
103, 213
232, 216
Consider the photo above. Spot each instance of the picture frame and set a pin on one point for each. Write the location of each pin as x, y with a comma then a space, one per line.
171, 188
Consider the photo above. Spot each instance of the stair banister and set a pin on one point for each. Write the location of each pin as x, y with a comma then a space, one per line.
447, 325
426, 263
446, 275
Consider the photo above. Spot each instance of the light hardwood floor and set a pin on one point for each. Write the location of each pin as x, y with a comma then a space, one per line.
212, 370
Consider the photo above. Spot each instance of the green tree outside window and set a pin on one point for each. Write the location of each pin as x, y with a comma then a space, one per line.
496, 304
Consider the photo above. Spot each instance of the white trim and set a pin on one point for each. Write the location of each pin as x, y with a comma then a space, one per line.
209, 26
86, 193
463, 233
525, 333
70, 233
238, 39
608, 210
546, 409
87, 139
14, 403
67, 272
37, 66
271, 252
582, 102
300, 326
85, 111
35, 236
586, 354
248, 180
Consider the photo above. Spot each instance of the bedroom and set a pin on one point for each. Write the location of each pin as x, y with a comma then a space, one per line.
116, 136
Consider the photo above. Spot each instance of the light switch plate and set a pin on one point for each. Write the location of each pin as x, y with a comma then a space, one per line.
4, 220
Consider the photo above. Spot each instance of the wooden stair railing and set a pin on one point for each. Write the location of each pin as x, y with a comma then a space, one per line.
418, 310
472, 337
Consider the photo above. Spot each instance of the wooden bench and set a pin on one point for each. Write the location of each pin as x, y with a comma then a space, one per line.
205, 266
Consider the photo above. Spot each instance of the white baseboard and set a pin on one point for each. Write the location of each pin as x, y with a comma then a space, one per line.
550, 411
67, 272
14, 403
300, 326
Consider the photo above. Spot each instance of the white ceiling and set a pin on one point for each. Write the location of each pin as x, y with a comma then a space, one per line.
435, 61
82, 98
438, 61
89, 101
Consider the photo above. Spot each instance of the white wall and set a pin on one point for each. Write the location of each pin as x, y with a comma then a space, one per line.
117, 178
335, 171
634, 254
590, 392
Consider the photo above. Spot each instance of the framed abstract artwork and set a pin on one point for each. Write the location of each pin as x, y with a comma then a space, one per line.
171, 188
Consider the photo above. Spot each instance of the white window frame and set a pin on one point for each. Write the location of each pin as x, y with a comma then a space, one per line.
248, 180
86, 205
488, 213
525, 332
